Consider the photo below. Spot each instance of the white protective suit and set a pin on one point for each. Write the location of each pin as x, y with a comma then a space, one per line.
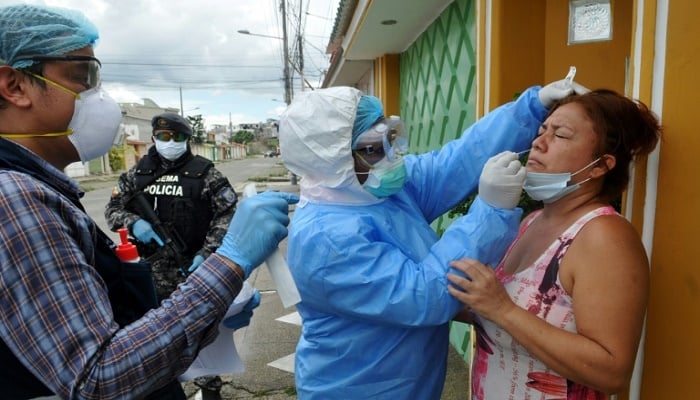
372, 272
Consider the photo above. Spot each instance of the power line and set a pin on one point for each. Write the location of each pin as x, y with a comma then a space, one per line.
154, 64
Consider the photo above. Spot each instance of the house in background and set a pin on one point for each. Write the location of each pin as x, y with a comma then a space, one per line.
136, 118
268, 129
443, 64
219, 134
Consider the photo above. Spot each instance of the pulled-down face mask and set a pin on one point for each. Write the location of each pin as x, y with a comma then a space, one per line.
549, 188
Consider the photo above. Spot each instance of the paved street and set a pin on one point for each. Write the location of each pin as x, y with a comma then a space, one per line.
267, 345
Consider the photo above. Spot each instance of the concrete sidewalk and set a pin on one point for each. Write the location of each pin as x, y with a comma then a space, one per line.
267, 345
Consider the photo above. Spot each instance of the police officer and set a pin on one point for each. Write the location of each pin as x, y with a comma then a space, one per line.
187, 200
180, 196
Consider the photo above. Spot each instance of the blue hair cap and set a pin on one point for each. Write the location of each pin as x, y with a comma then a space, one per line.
369, 111
30, 30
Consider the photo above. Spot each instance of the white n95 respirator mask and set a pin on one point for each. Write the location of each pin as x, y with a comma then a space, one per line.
95, 123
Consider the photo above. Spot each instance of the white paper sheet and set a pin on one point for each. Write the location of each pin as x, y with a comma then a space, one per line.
220, 356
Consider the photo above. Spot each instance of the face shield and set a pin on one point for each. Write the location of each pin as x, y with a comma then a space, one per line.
385, 139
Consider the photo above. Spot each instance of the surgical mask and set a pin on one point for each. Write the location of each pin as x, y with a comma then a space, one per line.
386, 177
94, 127
549, 188
171, 150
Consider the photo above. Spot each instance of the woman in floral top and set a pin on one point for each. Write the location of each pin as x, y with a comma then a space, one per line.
561, 316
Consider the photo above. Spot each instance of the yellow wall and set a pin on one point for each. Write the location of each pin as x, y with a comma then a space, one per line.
387, 82
529, 46
673, 323
598, 64
601, 64
525, 53
517, 50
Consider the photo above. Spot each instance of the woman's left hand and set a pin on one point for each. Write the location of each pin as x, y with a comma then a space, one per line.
482, 291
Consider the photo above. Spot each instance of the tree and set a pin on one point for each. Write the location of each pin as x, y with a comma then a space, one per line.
199, 134
116, 158
243, 137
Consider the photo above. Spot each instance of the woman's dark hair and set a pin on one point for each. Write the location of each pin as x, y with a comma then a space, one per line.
628, 129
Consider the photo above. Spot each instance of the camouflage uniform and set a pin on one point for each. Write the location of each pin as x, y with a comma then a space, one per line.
217, 193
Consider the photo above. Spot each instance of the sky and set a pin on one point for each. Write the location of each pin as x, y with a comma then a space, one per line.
189, 55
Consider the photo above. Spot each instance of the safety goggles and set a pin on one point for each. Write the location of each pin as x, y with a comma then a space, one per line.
387, 138
87, 73
165, 136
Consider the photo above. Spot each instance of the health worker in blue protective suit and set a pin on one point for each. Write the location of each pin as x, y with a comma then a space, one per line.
370, 270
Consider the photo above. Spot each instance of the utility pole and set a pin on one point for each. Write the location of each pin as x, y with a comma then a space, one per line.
287, 83
300, 43
287, 80
182, 110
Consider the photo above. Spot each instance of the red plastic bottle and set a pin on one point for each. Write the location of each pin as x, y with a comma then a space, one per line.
126, 251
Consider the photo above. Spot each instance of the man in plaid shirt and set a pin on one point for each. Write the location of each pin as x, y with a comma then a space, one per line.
69, 324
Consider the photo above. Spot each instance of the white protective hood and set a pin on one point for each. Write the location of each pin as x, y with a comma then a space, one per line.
315, 134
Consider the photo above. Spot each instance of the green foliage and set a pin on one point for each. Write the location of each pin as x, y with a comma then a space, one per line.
243, 137
116, 159
199, 133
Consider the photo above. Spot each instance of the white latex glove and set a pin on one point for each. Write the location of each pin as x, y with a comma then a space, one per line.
501, 181
557, 90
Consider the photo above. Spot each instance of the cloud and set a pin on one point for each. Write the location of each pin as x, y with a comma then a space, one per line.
188, 54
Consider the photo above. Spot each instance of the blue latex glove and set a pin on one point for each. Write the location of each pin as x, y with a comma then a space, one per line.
195, 263
143, 231
258, 226
242, 319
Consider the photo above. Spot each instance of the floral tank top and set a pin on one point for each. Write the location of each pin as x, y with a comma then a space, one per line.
503, 369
